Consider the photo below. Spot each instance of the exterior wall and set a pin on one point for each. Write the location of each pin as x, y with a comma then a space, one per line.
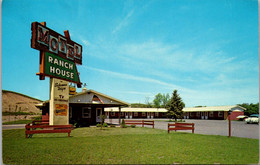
217, 115
78, 117
234, 114
140, 115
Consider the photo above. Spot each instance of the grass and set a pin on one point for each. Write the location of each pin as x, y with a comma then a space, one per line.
127, 146
17, 122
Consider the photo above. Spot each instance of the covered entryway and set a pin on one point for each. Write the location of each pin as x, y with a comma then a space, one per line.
98, 115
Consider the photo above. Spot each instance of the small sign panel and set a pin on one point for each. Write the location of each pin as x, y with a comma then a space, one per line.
61, 109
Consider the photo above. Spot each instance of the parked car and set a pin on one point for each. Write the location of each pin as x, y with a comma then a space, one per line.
252, 119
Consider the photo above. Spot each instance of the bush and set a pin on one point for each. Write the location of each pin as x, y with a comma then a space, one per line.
98, 125
105, 125
123, 125
112, 126
37, 118
133, 126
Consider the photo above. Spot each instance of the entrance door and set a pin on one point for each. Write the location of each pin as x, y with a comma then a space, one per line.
98, 115
130, 115
148, 115
202, 115
206, 115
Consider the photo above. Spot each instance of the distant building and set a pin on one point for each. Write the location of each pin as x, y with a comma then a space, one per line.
216, 112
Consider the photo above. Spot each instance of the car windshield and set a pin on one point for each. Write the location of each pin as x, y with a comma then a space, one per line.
254, 115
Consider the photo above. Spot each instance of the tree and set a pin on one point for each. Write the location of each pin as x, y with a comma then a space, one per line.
157, 101
165, 100
175, 106
250, 108
147, 102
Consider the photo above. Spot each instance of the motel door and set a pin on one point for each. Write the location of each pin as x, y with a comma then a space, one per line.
98, 114
202, 115
152, 114
130, 115
206, 115
148, 115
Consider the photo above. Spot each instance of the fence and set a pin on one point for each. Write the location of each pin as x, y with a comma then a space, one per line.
140, 122
181, 126
38, 127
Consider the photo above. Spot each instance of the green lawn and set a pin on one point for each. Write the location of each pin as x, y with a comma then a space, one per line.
126, 146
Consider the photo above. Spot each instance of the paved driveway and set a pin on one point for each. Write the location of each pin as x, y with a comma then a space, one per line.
214, 127
13, 126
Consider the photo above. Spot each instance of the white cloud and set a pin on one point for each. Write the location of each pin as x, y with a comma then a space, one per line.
124, 22
142, 79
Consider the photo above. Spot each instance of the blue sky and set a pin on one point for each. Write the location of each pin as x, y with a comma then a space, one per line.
132, 50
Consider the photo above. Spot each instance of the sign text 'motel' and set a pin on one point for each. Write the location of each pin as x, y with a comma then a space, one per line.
59, 54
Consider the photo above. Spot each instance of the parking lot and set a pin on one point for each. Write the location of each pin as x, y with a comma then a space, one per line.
213, 127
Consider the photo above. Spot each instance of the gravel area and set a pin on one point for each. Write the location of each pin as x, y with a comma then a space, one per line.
212, 127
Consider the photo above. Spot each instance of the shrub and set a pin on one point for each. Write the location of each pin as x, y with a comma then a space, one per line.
37, 118
123, 125
98, 125
112, 126
105, 125
133, 126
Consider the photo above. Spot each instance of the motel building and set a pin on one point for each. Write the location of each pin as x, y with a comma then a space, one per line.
204, 113
86, 107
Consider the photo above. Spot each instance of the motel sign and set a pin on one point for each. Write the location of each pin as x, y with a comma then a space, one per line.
58, 58
58, 54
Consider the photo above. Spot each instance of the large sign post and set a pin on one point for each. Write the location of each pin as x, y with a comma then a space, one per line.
58, 58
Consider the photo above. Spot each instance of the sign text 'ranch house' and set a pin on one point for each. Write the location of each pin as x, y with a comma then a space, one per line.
61, 68
47, 40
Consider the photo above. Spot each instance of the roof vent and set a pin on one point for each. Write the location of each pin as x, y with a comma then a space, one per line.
84, 89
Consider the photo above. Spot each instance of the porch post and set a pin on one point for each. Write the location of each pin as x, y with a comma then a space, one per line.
119, 115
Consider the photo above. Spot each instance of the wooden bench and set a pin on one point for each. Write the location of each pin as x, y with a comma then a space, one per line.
181, 126
140, 122
39, 128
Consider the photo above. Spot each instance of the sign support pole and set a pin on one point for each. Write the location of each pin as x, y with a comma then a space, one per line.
59, 102
229, 126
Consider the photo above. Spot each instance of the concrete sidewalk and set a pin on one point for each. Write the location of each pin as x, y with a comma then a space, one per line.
13, 126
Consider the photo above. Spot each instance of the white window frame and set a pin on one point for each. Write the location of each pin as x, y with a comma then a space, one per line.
220, 113
86, 114
211, 114
156, 114
112, 113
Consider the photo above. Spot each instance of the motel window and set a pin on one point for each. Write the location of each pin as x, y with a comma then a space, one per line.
210, 114
143, 114
198, 114
112, 113
220, 114
135, 113
70, 112
156, 114
122, 114
86, 112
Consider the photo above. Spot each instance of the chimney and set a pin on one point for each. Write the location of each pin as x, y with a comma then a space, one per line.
84, 89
